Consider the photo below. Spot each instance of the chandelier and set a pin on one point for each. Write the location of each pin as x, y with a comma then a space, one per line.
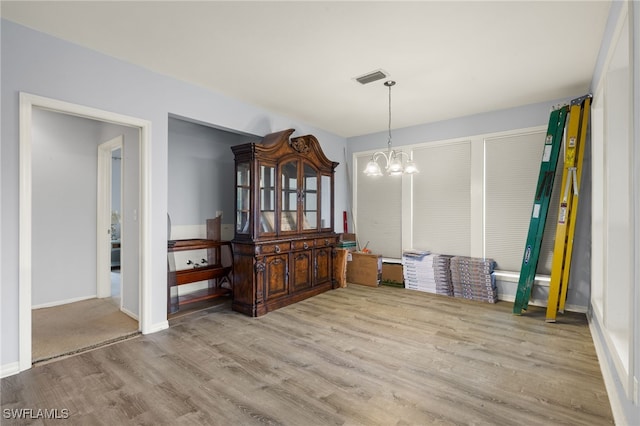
393, 165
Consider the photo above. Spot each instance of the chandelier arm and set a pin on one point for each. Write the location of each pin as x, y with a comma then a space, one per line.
399, 153
379, 154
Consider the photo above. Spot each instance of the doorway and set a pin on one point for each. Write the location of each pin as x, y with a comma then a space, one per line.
115, 231
109, 235
27, 211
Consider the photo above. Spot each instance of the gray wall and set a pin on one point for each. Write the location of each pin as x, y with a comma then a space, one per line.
32, 62
490, 122
64, 154
201, 172
64, 207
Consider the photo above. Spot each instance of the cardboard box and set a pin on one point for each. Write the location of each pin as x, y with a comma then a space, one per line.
340, 267
364, 269
392, 272
347, 237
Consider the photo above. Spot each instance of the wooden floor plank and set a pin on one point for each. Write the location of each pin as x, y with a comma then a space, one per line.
357, 355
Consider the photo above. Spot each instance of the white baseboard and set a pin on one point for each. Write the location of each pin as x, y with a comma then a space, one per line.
129, 313
607, 372
163, 325
63, 302
543, 303
9, 369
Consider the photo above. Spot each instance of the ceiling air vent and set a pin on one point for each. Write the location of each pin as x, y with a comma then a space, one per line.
371, 77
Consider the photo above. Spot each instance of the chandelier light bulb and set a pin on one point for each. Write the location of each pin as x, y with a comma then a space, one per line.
373, 168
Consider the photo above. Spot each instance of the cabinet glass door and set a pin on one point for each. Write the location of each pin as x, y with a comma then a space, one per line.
289, 201
267, 199
309, 198
243, 194
325, 203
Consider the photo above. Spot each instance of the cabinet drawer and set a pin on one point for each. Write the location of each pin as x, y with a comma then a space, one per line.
325, 242
282, 247
302, 244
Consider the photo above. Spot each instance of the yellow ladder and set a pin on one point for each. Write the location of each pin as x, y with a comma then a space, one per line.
565, 230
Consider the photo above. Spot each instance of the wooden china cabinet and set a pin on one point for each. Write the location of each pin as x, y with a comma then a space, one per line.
284, 239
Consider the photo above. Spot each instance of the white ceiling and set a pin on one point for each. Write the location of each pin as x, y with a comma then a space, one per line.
449, 58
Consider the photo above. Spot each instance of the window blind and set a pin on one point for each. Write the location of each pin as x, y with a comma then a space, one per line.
379, 211
441, 198
512, 165
446, 215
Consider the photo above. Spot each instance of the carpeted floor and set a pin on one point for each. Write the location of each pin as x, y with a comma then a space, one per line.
75, 327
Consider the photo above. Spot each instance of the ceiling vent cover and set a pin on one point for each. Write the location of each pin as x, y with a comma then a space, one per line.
371, 77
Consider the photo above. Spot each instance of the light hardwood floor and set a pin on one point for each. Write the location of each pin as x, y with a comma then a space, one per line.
353, 356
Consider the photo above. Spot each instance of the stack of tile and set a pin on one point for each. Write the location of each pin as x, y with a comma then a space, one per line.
442, 274
473, 278
418, 270
348, 245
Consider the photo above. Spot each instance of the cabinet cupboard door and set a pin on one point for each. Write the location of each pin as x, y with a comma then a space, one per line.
276, 271
267, 199
323, 265
309, 198
302, 270
289, 197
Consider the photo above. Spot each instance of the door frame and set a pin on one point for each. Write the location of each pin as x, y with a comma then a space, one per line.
103, 234
27, 103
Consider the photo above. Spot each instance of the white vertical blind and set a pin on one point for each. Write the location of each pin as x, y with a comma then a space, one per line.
442, 198
379, 211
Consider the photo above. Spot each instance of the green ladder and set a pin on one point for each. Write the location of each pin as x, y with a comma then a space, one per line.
550, 155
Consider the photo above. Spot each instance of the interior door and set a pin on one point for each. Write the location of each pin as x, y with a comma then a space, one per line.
108, 217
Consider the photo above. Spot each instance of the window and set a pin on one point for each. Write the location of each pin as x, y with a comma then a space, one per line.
512, 165
441, 199
472, 197
379, 210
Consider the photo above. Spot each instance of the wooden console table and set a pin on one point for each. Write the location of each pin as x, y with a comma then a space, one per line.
214, 270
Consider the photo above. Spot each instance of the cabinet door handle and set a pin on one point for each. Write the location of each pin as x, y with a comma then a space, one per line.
277, 249
305, 245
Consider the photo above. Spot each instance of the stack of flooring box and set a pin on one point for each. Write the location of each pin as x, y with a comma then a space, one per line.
473, 278
442, 267
418, 271
459, 276
428, 272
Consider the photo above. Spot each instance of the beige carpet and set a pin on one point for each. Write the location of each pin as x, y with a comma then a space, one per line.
76, 327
